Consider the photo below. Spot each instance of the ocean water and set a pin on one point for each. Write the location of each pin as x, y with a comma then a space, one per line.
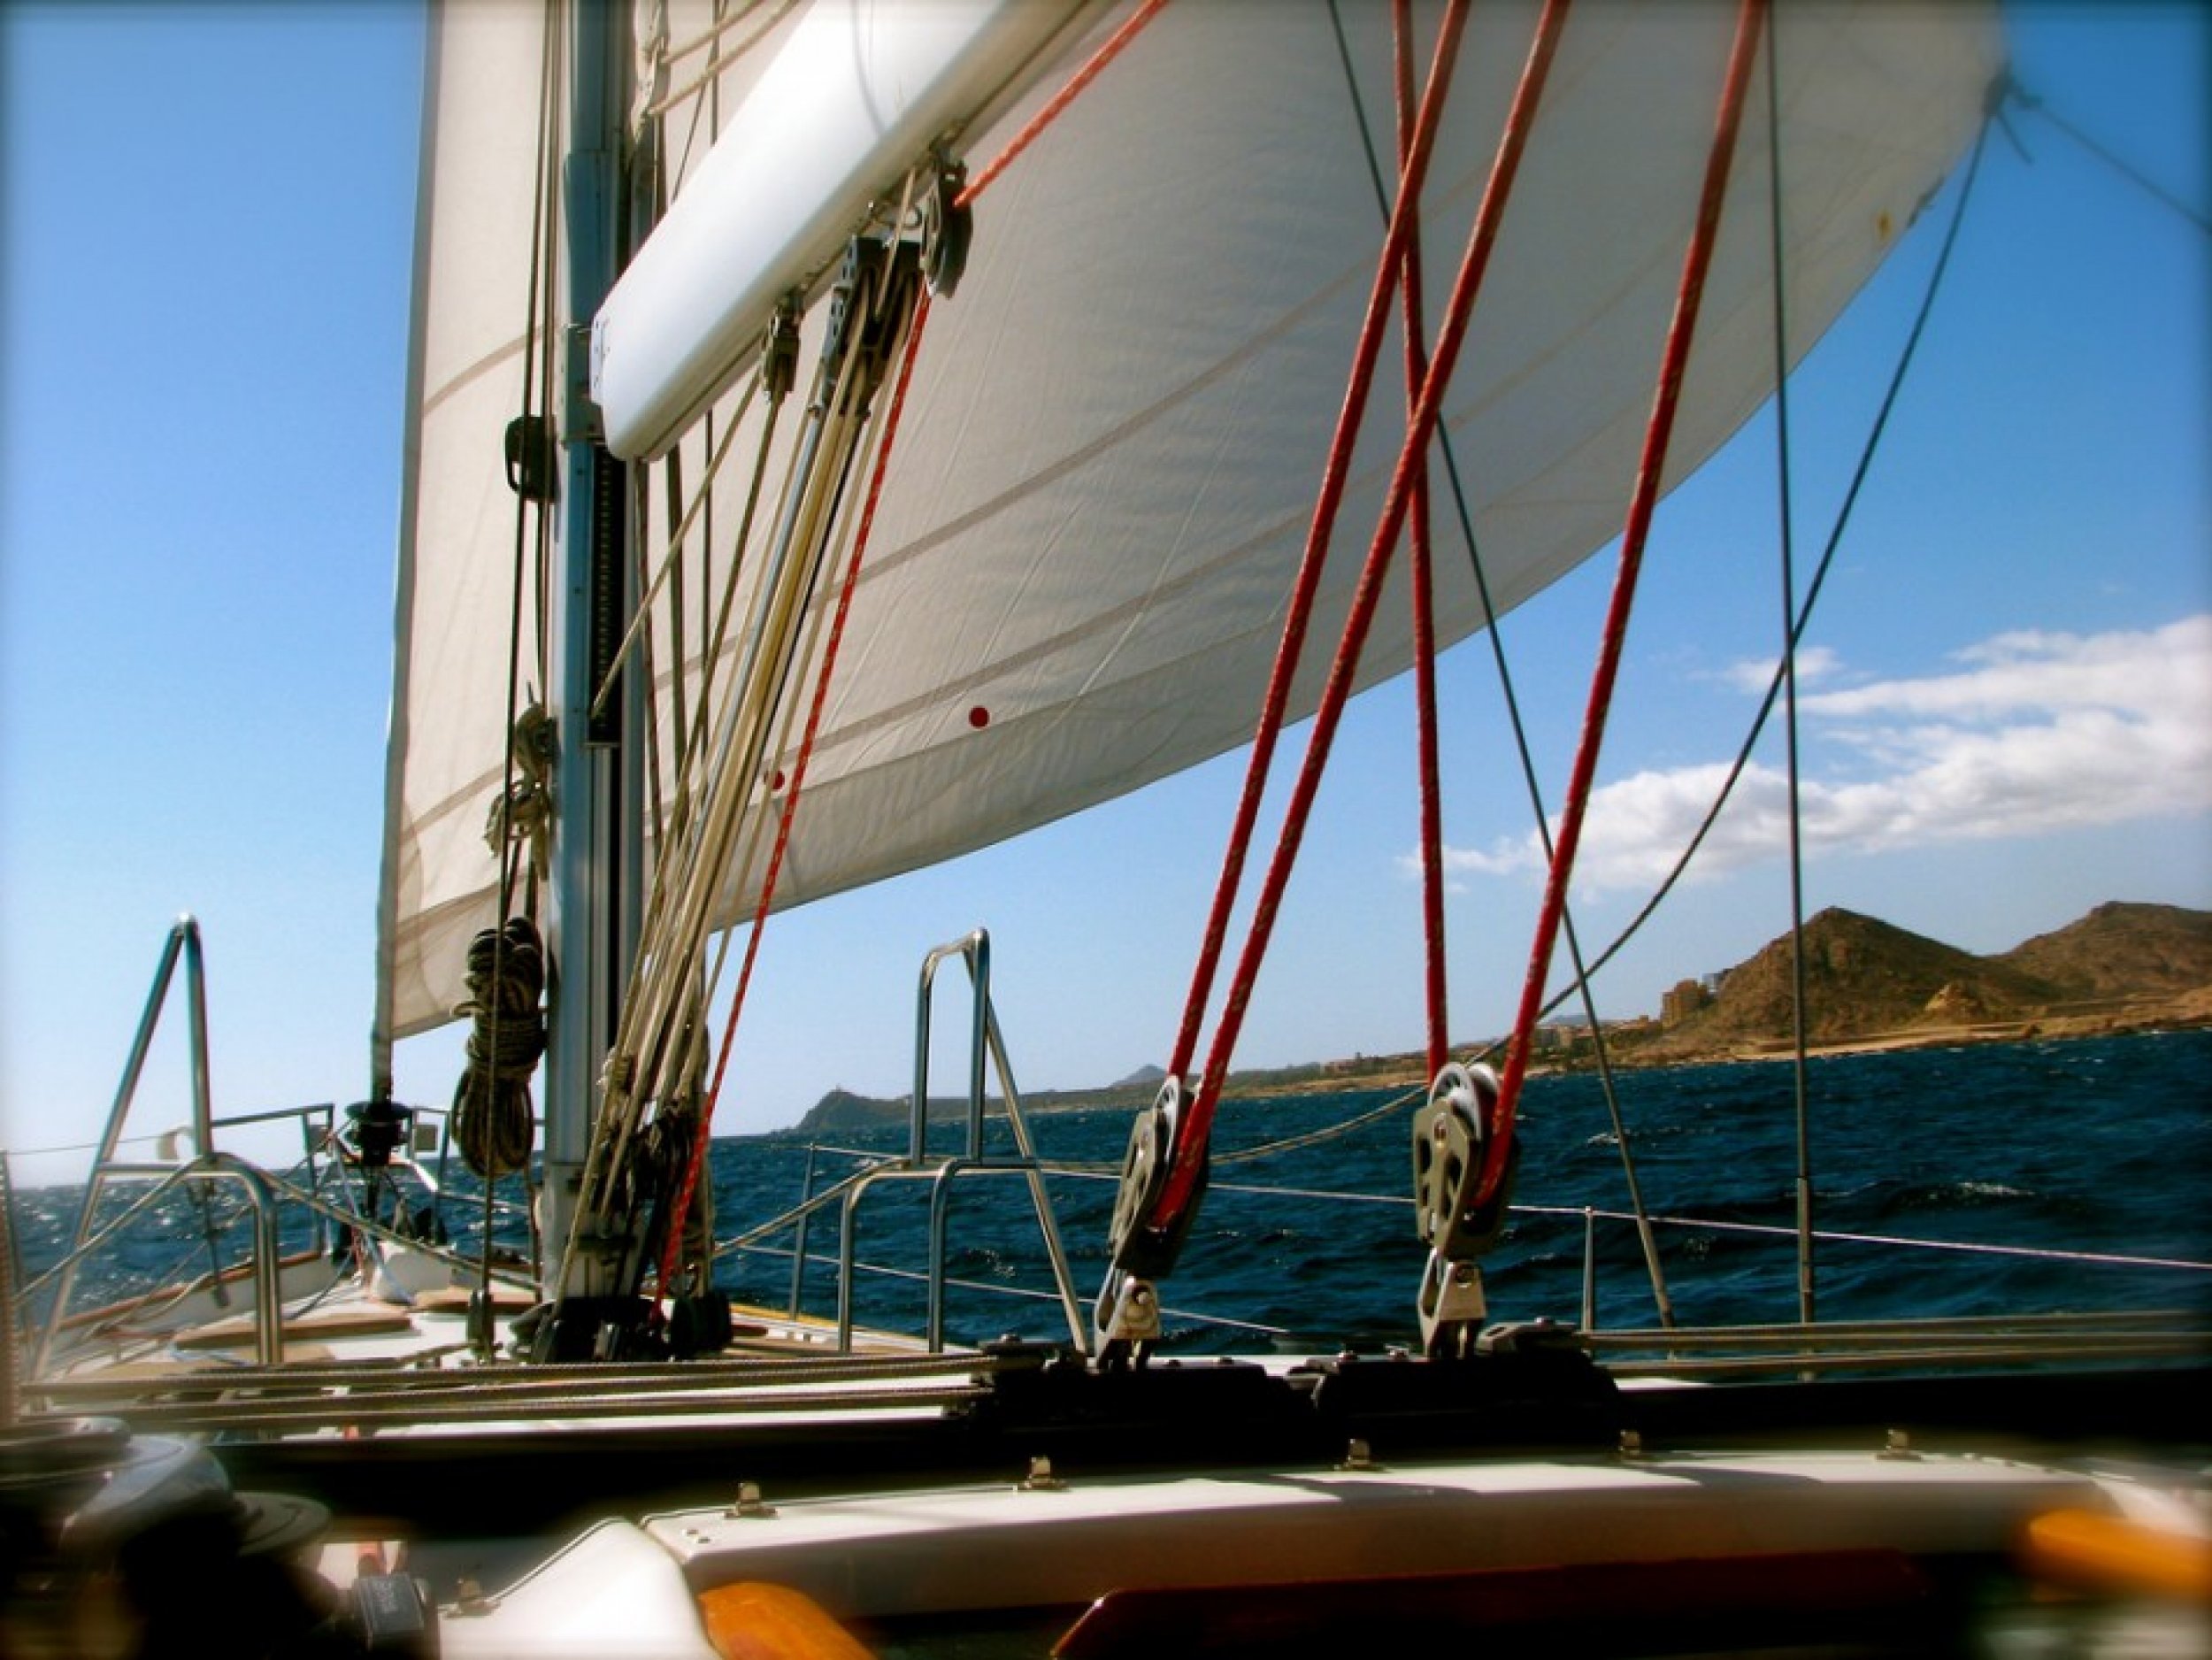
2076, 1171
2067, 1155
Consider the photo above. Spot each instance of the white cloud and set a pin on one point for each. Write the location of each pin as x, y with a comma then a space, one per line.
1756, 674
2034, 733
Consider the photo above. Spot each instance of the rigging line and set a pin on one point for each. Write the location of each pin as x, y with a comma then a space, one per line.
554, 147
493, 1116
691, 761
716, 64
706, 112
1058, 102
1789, 676
1665, 400
2011, 91
1316, 1137
1183, 1175
1034, 1294
683, 904
1421, 573
1327, 1133
1465, 515
824, 674
659, 809
726, 819
691, 751
1249, 1189
536, 374
649, 160
1112, 1171
1976, 1247
668, 817
713, 33
638, 531
738, 846
1819, 578
673, 927
707, 607
677, 539
1306, 585
1430, 834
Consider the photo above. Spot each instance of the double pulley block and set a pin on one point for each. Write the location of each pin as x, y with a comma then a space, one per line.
1451, 1140
876, 286
1140, 1249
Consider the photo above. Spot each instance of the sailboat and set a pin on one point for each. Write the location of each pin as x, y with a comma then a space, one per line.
847, 434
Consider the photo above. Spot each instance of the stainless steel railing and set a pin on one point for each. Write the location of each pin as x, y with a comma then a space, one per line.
211, 1167
2164, 1332
987, 1048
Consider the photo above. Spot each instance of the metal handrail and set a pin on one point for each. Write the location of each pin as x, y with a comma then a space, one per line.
1590, 1216
208, 1167
183, 941
265, 1192
986, 1047
885, 1270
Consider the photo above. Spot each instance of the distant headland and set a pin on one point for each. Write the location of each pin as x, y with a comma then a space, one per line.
1868, 986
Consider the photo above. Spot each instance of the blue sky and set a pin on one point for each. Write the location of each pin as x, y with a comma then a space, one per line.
2009, 701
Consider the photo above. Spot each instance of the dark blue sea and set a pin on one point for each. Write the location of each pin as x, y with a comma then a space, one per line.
2076, 1171
2086, 1159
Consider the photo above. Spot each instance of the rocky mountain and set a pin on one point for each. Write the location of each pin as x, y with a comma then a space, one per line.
1861, 975
841, 1109
2122, 967
1867, 979
2121, 949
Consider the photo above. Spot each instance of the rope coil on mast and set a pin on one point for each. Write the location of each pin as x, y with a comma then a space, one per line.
493, 1119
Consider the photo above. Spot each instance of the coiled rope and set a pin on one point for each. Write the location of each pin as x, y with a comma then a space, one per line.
492, 1120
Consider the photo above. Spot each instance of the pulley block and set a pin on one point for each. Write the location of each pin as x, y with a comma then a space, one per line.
948, 227
1450, 1137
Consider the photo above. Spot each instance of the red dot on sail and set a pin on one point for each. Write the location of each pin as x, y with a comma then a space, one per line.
979, 717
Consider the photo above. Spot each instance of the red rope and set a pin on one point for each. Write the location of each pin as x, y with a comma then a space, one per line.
1696, 262
689, 1188
1060, 100
1335, 475
1197, 1123
1432, 811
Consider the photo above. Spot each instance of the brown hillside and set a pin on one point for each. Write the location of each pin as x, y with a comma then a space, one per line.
2121, 950
1862, 976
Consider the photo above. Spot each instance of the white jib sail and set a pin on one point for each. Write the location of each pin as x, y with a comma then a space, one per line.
1107, 468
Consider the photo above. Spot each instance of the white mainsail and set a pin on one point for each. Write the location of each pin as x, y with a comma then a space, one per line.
1105, 471
475, 230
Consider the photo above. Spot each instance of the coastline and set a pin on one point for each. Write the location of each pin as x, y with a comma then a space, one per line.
1631, 1048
